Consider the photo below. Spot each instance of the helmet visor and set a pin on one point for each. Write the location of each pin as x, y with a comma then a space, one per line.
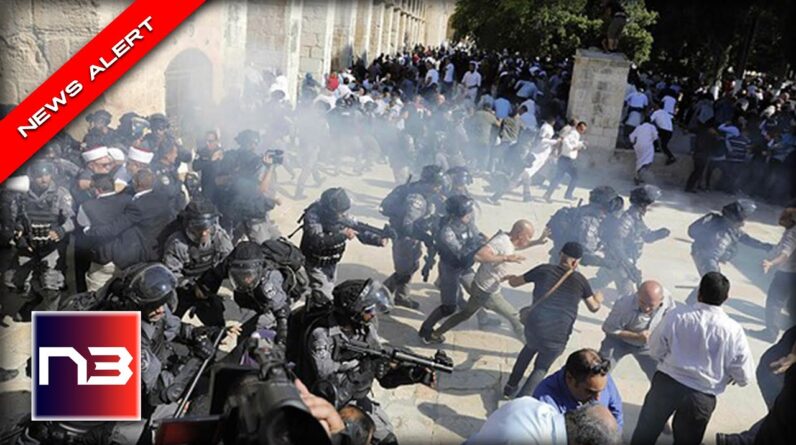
376, 299
245, 275
201, 229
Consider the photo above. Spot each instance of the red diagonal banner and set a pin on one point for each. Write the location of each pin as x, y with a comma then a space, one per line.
97, 66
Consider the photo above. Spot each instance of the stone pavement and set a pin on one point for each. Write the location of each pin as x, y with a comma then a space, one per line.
484, 359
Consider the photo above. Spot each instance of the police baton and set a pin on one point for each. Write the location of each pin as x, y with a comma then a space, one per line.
184, 404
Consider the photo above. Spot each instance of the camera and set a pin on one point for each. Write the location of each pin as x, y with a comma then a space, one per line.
277, 156
250, 406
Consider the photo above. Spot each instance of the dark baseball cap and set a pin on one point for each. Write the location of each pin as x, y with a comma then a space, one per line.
573, 250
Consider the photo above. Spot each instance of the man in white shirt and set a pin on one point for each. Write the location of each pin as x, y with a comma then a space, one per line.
471, 82
636, 103
484, 290
447, 81
431, 81
669, 104
569, 147
700, 350
663, 122
643, 139
526, 420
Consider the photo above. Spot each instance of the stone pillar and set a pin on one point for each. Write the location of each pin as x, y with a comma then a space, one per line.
363, 34
599, 81
401, 31
389, 22
343, 35
316, 38
376, 30
293, 19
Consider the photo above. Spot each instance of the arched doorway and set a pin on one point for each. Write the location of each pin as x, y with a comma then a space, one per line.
189, 83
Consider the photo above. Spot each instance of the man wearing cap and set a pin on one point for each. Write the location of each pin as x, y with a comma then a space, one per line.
558, 288
44, 216
137, 158
105, 208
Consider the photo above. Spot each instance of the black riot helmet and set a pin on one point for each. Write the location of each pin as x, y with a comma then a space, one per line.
739, 210
602, 196
355, 298
459, 206
99, 116
644, 195
199, 216
460, 176
247, 138
39, 168
335, 200
151, 286
158, 121
615, 205
432, 174
246, 263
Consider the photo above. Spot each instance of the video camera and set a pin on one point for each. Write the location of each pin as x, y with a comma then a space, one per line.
249, 406
277, 156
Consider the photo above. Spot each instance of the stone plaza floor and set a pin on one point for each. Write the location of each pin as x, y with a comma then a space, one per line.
483, 358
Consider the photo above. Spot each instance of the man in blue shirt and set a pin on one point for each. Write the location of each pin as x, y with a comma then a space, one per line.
583, 380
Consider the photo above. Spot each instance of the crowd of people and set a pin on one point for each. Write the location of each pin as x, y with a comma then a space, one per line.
152, 236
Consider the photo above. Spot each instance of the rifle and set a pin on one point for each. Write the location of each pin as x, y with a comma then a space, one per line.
386, 232
440, 361
429, 260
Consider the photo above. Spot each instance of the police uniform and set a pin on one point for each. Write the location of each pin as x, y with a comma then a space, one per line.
168, 181
34, 266
413, 226
269, 301
457, 243
323, 244
719, 243
623, 240
189, 261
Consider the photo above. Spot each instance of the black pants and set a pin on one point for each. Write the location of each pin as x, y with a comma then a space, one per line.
692, 410
700, 164
665, 136
780, 292
546, 353
565, 166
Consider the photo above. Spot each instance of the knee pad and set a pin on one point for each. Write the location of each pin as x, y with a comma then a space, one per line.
448, 310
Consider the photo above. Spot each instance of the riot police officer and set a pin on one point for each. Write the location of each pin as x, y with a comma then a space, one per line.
43, 216
166, 371
582, 224
258, 286
345, 377
623, 240
189, 253
716, 236
326, 228
413, 210
457, 181
457, 241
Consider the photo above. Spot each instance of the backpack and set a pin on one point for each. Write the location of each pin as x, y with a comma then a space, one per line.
392, 206
561, 224
284, 256
704, 227
300, 324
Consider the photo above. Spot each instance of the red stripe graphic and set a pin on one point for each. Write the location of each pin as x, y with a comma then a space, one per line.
77, 84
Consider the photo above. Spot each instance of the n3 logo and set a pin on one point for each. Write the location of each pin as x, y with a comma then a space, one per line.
122, 366
86, 366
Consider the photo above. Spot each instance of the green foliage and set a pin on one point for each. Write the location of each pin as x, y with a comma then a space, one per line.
554, 28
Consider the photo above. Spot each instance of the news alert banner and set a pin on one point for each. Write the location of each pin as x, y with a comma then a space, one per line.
89, 73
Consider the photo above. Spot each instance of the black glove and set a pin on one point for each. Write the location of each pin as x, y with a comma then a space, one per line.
201, 332
202, 339
425, 376
182, 380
